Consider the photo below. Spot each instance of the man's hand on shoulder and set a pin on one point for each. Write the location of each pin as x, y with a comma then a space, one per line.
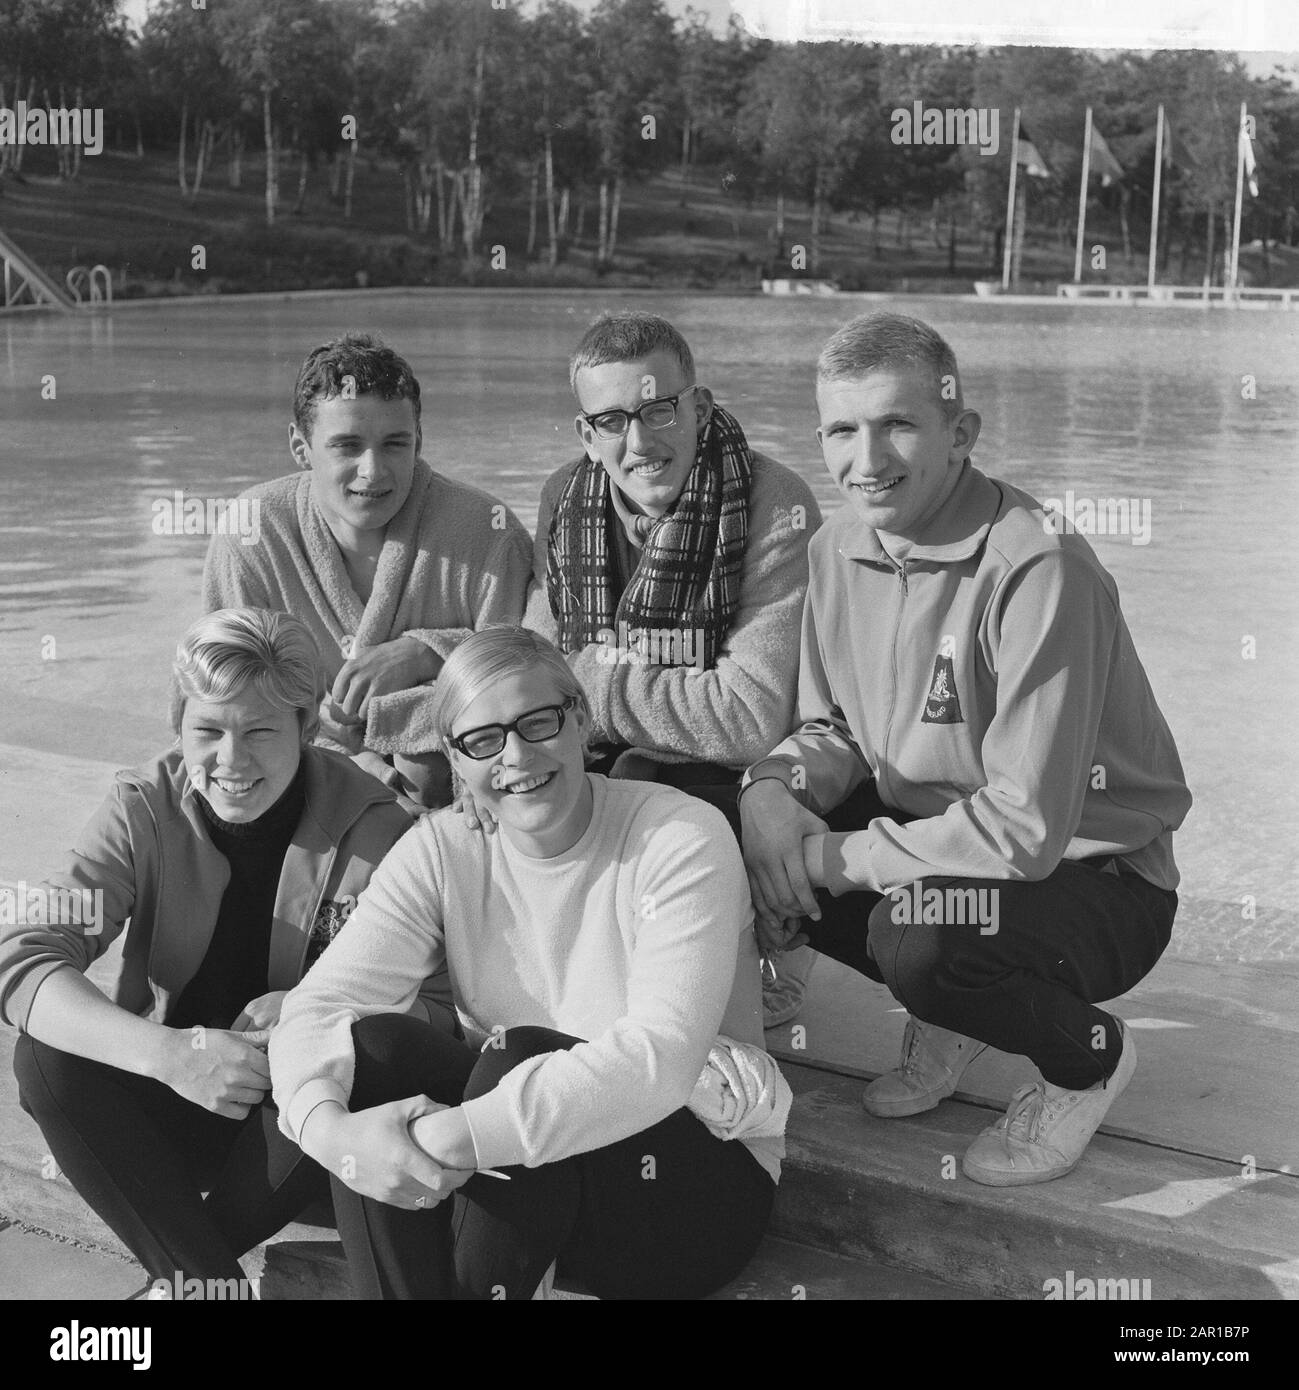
476, 817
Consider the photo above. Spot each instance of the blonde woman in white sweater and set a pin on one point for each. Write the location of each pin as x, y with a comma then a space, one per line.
605, 973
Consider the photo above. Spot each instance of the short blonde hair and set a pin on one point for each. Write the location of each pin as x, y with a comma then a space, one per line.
883, 340
487, 656
225, 652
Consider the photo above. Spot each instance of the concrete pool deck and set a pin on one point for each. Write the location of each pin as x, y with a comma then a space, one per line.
1192, 1183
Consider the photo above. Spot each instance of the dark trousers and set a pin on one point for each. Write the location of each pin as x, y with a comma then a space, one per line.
671, 1212
141, 1156
1079, 936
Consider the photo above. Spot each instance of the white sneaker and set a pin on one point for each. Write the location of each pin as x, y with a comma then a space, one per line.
933, 1061
1046, 1130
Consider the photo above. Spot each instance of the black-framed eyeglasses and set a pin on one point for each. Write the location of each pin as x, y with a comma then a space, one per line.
535, 726
658, 414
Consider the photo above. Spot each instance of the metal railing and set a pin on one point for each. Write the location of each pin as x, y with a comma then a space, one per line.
96, 280
1259, 297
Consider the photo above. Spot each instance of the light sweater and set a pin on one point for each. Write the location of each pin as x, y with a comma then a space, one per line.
991, 687
745, 705
638, 939
454, 560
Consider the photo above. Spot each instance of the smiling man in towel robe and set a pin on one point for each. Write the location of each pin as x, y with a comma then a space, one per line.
390, 564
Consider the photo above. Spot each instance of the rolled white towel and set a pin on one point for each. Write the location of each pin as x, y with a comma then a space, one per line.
741, 1093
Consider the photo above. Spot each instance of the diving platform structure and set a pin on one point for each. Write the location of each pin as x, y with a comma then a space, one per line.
26, 285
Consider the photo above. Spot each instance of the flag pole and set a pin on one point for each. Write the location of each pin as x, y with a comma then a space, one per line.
1240, 181
1082, 198
1010, 204
1154, 213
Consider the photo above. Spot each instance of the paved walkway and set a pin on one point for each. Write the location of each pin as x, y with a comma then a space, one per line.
38, 1265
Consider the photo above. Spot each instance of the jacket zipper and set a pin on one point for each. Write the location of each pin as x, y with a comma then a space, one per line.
893, 693
322, 887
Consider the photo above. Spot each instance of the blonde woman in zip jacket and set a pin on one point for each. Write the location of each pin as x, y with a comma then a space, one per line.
221, 870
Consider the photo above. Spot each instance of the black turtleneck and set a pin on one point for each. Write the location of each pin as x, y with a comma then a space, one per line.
234, 970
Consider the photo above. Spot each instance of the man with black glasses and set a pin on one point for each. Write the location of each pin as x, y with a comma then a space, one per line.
670, 568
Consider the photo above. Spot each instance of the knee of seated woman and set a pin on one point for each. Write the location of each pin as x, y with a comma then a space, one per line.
505, 1048
26, 1069
386, 1038
41, 1069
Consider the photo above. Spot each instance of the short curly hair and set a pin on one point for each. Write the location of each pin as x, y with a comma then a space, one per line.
355, 364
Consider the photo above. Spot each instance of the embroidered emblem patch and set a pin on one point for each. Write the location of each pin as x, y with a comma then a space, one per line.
330, 919
942, 704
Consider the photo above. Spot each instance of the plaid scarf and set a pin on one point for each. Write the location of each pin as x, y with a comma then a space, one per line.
689, 572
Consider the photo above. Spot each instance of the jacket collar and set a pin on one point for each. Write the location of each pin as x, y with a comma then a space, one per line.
631, 522
336, 793
956, 531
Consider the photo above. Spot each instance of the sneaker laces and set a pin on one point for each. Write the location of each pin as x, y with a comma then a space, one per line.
910, 1048
1029, 1108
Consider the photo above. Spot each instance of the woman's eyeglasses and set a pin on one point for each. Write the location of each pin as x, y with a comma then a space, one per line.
657, 414
536, 726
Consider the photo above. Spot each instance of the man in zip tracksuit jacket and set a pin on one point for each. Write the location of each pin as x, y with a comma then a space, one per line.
1001, 785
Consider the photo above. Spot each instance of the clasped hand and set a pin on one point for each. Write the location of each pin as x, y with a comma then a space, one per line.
221, 1070
380, 670
372, 1151
260, 1014
781, 845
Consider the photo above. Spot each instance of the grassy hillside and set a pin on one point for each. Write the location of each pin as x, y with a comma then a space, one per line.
129, 214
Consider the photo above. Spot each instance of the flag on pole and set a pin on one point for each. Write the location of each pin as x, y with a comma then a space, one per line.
1103, 161
1028, 156
1244, 164
1183, 159
1251, 166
